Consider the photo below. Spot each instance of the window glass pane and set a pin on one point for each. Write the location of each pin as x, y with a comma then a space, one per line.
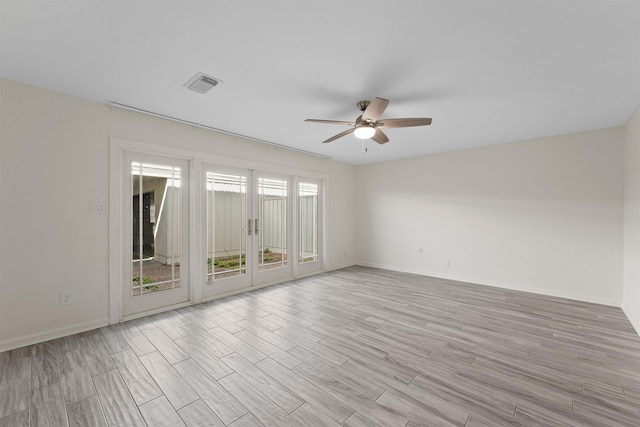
307, 222
272, 220
226, 222
157, 224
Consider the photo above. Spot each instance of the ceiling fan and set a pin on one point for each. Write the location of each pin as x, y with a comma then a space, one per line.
369, 125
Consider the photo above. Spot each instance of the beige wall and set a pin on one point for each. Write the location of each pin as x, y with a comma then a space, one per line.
542, 216
55, 161
631, 303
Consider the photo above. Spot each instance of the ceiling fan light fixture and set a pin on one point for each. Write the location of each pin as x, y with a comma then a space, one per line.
364, 131
367, 125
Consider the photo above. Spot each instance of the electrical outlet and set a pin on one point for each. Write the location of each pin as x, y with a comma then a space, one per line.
447, 264
421, 250
65, 298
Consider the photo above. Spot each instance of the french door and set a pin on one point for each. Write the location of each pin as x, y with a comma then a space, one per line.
309, 226
227, 214
156, 232
248, 229
184, 231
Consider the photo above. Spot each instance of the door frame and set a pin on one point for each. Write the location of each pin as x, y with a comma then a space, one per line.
309, 269
270, 276
134, 306
231, 284
117, 147
254, 277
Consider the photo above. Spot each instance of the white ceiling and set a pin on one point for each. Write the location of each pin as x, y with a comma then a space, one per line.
487, 72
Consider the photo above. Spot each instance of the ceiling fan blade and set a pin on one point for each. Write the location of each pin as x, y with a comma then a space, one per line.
402, 123
340, 135
380, 137
331, 122
375, 109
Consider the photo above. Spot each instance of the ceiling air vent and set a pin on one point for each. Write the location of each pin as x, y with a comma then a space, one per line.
202, 83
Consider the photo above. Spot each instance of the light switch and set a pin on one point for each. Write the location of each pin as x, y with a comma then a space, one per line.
96, 208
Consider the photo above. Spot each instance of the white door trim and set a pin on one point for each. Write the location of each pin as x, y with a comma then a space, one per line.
117, 147
216, 287
286, 272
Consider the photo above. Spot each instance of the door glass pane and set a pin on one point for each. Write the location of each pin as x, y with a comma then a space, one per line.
307, 222
272, 223
157, 224
226, 222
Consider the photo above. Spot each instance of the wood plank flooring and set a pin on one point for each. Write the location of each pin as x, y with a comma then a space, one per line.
354, 347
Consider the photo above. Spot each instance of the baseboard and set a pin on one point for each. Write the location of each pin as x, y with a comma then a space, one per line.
50, 335
339, 266
305, 275
510, 286
155, 311
62, 332
83, 327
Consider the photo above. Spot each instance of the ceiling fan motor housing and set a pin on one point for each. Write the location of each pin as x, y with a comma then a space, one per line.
362, 105
367, 125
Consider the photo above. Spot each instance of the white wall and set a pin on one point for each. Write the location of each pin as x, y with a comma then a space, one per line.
631, 304
542, 216
55, 160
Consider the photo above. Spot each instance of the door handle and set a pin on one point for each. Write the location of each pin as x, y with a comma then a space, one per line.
256, 227
249, 227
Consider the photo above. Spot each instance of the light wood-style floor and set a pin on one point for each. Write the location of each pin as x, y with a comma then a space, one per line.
354, 347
